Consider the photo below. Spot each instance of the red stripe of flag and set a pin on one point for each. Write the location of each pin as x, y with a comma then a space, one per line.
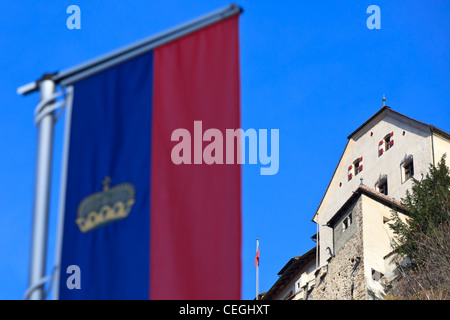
195, 250
257, 259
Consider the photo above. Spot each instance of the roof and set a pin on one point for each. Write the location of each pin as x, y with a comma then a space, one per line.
362, 189
288, 272
383, 110
388, 109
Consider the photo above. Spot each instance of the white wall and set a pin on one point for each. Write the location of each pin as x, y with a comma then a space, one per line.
441, 145
377, 240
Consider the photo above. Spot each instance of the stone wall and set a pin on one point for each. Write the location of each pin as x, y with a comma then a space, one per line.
343, 277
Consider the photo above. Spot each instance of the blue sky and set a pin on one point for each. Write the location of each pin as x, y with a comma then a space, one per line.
311, 69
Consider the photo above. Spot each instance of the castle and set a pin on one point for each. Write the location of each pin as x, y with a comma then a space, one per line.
353, 257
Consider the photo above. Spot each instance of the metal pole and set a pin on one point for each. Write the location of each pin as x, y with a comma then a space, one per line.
41, 193
257, 267
257, 283
62, 194
76, 73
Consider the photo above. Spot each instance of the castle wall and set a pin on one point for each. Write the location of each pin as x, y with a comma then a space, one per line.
409, 141
378, 244
343, 277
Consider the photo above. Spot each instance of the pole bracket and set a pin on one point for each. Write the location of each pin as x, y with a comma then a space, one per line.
41, 282
51, 103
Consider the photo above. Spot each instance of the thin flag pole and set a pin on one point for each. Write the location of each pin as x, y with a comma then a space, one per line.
257, 267
62, 193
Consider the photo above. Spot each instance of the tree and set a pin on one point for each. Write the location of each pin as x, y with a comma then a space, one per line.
424, 239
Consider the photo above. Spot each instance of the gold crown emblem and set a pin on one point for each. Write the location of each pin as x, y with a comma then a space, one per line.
104, 207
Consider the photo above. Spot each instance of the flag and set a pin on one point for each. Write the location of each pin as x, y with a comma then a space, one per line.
257, 254
136, 224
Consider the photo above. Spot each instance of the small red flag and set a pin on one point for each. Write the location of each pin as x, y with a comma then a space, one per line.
257, 254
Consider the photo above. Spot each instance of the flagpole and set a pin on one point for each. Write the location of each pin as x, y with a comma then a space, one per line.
71, 75
257, 269
41, 203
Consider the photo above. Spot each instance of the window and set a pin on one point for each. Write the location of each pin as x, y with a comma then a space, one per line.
383, 187
355, 168
347, 222
358, 165
386, 143
376, 275
408, 169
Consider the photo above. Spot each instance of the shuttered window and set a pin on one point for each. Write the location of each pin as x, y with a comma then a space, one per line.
386, 143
